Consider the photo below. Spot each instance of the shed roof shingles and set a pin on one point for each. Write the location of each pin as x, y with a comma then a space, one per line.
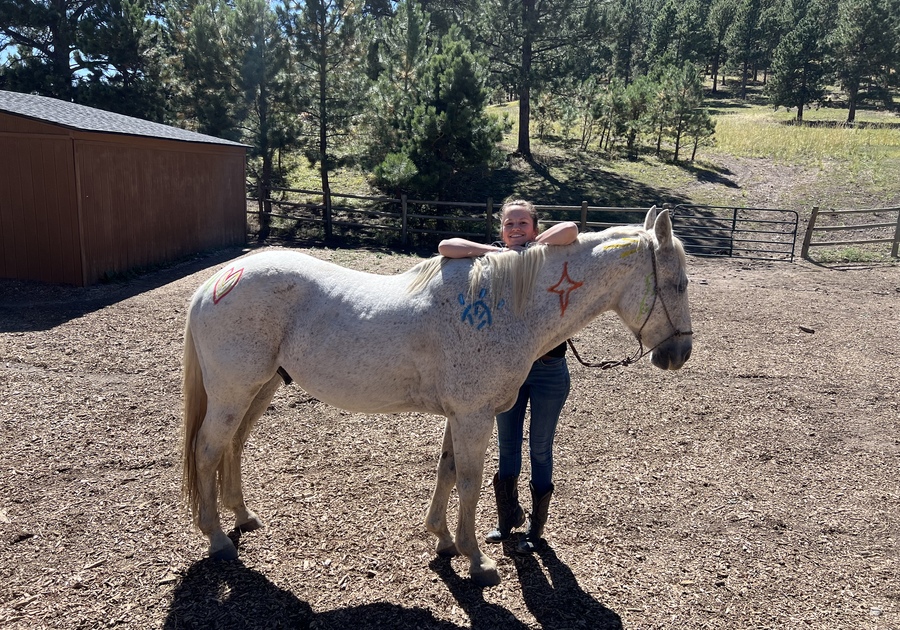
85, 118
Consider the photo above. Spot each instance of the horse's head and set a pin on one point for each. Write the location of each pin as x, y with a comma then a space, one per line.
657, 310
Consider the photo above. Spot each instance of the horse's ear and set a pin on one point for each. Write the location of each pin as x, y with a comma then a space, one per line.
650, 219
663, 229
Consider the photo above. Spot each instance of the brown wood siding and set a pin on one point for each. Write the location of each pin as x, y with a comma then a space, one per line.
10, 123
76, 207
39, 237
148, 201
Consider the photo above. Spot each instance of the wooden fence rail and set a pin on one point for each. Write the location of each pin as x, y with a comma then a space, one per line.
866, 229
705, 230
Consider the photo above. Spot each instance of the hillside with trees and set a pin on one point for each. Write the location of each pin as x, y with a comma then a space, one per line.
402, 91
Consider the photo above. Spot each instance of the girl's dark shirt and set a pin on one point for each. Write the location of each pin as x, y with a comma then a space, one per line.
558, 351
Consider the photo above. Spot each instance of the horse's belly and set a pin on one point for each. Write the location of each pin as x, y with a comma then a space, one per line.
377, 396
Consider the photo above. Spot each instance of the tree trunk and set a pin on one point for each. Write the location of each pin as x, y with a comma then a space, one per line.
524, 144
744, 72
265, 182
324, 165
715, 73
852, 93
678, 134
61, 36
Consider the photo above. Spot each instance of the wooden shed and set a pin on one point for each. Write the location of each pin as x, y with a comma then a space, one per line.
87, 194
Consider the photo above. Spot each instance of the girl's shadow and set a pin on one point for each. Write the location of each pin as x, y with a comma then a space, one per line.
559, 602
556, 603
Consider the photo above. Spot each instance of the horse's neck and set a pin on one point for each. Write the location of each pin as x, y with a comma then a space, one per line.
576, 287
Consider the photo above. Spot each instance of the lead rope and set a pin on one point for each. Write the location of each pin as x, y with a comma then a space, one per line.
640, 353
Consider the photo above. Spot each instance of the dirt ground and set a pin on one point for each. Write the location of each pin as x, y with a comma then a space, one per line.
755, 488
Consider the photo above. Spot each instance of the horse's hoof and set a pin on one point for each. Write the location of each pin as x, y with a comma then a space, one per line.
488, 577
225, 553
249, 525
448, 551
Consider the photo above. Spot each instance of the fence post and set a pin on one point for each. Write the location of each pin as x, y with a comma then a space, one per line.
807, 238
896, 245
489, 218
404, 232
734, 220
326, 193
265, 213
584, 208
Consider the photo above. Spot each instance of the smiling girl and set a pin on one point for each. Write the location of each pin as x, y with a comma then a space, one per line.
546, 389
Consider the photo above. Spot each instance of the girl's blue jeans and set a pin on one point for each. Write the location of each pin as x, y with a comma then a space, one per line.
546, 388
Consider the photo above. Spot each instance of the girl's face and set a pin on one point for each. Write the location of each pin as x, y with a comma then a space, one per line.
517, 227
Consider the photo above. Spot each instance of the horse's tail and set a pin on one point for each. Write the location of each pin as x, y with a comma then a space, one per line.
194, 411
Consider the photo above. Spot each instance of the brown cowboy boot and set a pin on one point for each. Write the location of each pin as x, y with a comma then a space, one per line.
509, 513
531, 539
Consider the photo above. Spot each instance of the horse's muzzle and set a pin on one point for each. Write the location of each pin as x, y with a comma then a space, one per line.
672, 354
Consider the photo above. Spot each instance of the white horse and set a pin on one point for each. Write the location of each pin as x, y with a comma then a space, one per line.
449, 337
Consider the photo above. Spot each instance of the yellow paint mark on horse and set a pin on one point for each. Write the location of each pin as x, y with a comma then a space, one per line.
630, 243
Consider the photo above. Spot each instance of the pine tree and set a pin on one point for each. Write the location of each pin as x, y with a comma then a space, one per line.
269, 89
402, 50
743, 39
99, 52
529, 41
865, 47
798, 65
686, 104
331, 57
721, 15
121, 58
637, 102
627, 22
450, 130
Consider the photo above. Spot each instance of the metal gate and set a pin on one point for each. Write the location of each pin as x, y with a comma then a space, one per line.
753, 233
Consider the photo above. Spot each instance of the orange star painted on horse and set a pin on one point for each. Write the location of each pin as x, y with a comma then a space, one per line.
564, 288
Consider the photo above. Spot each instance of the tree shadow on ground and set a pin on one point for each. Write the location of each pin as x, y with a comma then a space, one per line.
221, 595
551, 178
840, 124
31, 306
710, 174
557, 602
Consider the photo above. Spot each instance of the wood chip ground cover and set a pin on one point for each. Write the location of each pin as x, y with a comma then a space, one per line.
756, 488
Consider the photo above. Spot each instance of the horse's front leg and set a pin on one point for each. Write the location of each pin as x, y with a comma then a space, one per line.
470, 441
436, 519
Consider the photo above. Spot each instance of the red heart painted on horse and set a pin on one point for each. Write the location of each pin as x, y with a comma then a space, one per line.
225, 283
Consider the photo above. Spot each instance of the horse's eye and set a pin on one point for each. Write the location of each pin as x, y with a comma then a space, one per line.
682, 286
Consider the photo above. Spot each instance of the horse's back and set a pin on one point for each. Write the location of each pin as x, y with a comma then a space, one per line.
330, 328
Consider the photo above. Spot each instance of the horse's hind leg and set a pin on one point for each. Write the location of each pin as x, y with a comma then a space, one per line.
245, 520
436, 519
214, 441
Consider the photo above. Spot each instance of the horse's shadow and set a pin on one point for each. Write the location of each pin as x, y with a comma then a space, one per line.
228, 595
557, 602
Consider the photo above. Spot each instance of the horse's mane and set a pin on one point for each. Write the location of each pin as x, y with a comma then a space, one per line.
510, 269
513, 270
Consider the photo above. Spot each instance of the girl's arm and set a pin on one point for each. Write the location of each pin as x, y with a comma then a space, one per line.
462, 248
559, 234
